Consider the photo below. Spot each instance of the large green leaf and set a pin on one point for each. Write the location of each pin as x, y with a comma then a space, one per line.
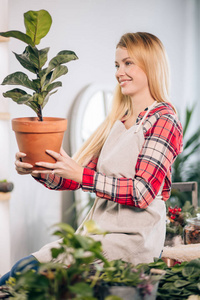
82, 290
33, 59
18, 35
19, 78
14, 94
37, 24
61, 58
24, 99
39, 97
58, 71
26, 62
53, 85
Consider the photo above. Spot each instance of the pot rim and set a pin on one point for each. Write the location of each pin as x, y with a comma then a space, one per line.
31, 124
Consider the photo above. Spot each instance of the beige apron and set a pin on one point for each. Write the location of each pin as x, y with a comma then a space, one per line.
135, 235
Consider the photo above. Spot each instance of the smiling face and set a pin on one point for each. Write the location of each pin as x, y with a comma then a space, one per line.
132, 79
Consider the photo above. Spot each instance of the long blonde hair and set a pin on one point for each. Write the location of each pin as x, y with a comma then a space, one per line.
149, 54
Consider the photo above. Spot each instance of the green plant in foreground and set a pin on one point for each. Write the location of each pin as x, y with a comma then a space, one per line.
77, 275
180, 282
37, 24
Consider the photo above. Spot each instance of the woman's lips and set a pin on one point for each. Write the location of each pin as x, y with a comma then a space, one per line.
124, 82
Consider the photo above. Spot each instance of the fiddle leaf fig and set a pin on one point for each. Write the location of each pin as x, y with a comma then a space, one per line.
37, 24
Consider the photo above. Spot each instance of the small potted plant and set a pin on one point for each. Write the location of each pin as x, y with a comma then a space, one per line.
37, 24
83, 272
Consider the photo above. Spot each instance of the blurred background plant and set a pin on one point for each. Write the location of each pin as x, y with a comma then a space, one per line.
187, 165
177, 219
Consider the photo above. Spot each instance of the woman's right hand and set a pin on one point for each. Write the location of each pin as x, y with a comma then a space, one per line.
23, 168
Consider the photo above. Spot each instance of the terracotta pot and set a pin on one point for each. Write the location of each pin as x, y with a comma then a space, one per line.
35, 137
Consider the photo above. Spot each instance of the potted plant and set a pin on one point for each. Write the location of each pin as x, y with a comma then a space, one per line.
37, 24
87, 276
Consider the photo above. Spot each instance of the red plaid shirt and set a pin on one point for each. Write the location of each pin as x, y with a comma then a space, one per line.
163, 142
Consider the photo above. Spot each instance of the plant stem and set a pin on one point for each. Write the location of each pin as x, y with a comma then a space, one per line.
40, 114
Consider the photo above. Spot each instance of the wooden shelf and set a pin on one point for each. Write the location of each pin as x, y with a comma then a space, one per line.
4, 116
4, 196
4, 39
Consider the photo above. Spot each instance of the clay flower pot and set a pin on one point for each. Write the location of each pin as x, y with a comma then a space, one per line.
35, 137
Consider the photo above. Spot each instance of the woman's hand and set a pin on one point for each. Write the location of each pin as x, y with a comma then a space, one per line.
23, 168
64, 166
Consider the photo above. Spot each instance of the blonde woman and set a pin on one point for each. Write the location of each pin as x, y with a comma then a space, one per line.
127, 161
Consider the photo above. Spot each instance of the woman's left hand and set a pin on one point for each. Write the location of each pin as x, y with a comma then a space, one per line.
64, 166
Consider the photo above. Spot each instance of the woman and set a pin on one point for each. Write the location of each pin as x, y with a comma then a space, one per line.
127, 161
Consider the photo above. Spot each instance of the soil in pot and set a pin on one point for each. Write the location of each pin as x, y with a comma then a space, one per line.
35, 137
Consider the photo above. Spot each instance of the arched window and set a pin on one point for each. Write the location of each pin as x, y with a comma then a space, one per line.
88, 112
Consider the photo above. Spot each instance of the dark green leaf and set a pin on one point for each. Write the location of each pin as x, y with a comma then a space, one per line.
38, 57
194, 287
24, 99
55, 252
14, 94
19, 78
37, 24
81, 289
187, 271
61, 58
25, 62
40, 97
32, 59
18, 35
57, 72
53, 85
180, 283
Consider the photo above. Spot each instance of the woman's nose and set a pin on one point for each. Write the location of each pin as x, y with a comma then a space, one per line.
120, 71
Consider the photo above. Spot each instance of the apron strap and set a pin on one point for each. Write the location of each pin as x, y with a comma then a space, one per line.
148, 110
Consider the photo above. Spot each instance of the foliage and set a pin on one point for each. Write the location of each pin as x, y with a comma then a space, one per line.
81, 268
177, 219
184, 169
180, 282
79, 276
37, 24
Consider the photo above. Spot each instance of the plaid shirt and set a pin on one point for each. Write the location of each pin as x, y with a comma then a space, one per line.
163, 142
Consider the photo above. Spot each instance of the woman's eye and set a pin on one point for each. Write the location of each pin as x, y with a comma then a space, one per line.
117, 66
128, 63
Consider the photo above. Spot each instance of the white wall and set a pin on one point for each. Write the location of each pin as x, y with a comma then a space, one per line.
91, 28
